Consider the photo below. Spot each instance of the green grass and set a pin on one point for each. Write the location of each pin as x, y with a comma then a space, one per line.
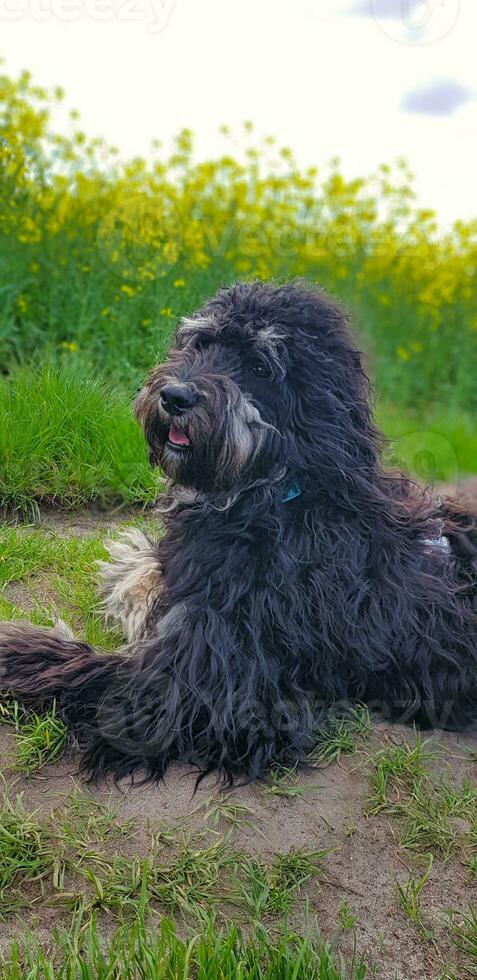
64, 568
438, 820
40, 740
343, 736
283, 781
395, 771
24, 853
73, 860
410, 897
138, 950
270, 890
432, 443
78, 857
465, 938
67, 438
435, 818
346, 917
225, 810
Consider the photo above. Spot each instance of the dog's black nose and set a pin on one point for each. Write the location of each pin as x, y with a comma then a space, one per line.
177, 398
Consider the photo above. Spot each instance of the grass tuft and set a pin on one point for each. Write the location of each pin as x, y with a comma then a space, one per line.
223, 809
24, 854
395, 770
346, 917
283, 781
40, 740
464, 931
409, 895
343, 736
267, 891
65, 569
68, 438
137, 950
436, 818
189, 882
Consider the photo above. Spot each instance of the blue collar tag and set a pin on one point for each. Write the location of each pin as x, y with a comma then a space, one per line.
294, 491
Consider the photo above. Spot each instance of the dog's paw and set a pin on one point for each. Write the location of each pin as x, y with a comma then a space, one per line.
130, 582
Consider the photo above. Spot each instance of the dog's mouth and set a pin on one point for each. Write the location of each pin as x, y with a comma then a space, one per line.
178, 439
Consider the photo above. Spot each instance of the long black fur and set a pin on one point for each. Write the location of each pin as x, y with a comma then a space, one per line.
271, 613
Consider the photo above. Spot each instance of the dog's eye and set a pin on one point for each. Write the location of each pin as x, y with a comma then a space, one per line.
201, 342
261, 369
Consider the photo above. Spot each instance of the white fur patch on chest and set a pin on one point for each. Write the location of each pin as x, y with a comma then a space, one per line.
130, 583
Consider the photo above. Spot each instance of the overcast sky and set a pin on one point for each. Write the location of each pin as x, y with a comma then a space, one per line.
367, 80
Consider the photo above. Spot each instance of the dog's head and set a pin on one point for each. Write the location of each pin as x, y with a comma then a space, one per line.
260, 383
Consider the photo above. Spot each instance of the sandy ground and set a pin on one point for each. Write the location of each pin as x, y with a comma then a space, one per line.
81, 523
361, 868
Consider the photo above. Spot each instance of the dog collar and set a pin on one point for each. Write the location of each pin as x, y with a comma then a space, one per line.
292, 492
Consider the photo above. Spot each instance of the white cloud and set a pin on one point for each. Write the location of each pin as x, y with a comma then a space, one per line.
439, 97
387, 9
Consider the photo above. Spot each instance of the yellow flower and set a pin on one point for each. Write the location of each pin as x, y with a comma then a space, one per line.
146, 323
29, 231
22, 304
105, 312
179, 283
167, 311
128, 290
68, 345
403, 353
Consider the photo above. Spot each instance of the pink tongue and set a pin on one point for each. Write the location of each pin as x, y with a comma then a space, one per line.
178, 438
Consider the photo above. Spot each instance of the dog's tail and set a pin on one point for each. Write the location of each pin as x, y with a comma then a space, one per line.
161, 703
40, 665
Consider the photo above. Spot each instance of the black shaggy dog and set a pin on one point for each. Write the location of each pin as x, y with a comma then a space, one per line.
294, 574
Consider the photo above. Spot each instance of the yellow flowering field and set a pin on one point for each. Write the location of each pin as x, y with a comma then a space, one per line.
99, 256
